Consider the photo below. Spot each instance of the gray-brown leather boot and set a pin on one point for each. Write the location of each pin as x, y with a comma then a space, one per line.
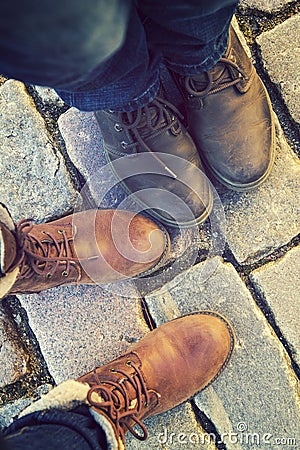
95, 246
229, 116
154, 157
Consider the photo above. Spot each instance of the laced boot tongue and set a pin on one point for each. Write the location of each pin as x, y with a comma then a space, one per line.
42, 252
219, 74
31, 253
119, 391
148, 119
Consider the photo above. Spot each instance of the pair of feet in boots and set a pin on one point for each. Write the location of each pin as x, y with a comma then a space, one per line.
164, 369
230, 132
227, 130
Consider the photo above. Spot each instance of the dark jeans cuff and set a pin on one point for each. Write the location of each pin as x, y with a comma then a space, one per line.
54, 429
215, 52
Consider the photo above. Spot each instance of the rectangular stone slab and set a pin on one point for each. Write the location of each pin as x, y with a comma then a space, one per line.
81, 327
278, 282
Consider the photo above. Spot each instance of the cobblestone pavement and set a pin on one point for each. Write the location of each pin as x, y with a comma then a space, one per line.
48, 152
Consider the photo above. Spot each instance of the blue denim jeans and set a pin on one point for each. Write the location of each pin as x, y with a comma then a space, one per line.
53, 430
107, 54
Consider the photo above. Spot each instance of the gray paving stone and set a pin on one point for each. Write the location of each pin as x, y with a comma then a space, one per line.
279, 283
265, 5
280, 50
35, 180
84, 144
10, 411
13, 358
48, 95
174, 430
257, 393
81, 327
259, 221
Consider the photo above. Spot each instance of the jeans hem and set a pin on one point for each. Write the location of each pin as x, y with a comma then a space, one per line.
98, 100
143, 99
204, 66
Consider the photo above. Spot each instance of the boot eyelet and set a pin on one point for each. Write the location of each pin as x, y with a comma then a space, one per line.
128, 363
124, 144
49, 275
113, 370
118, 127
175, 129
60, 231
65, 273
146, 404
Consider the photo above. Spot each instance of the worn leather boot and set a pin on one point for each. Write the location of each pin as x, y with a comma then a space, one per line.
230, 118
95, 246
154, 157
167, 367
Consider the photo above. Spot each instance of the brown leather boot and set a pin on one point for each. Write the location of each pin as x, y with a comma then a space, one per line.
167, 367
95, 246
229, 116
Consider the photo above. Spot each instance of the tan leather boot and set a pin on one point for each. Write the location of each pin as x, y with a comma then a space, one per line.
167, 367
95, 246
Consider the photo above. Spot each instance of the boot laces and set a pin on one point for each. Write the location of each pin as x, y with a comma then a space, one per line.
227, 79
117, 403
151, 120
34, 254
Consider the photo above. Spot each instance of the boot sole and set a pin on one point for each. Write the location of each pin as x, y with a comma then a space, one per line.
154, 213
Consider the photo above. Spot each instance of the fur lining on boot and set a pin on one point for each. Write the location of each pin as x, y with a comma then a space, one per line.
7, 282
6, 218
114, 442
65, 396
2, 252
